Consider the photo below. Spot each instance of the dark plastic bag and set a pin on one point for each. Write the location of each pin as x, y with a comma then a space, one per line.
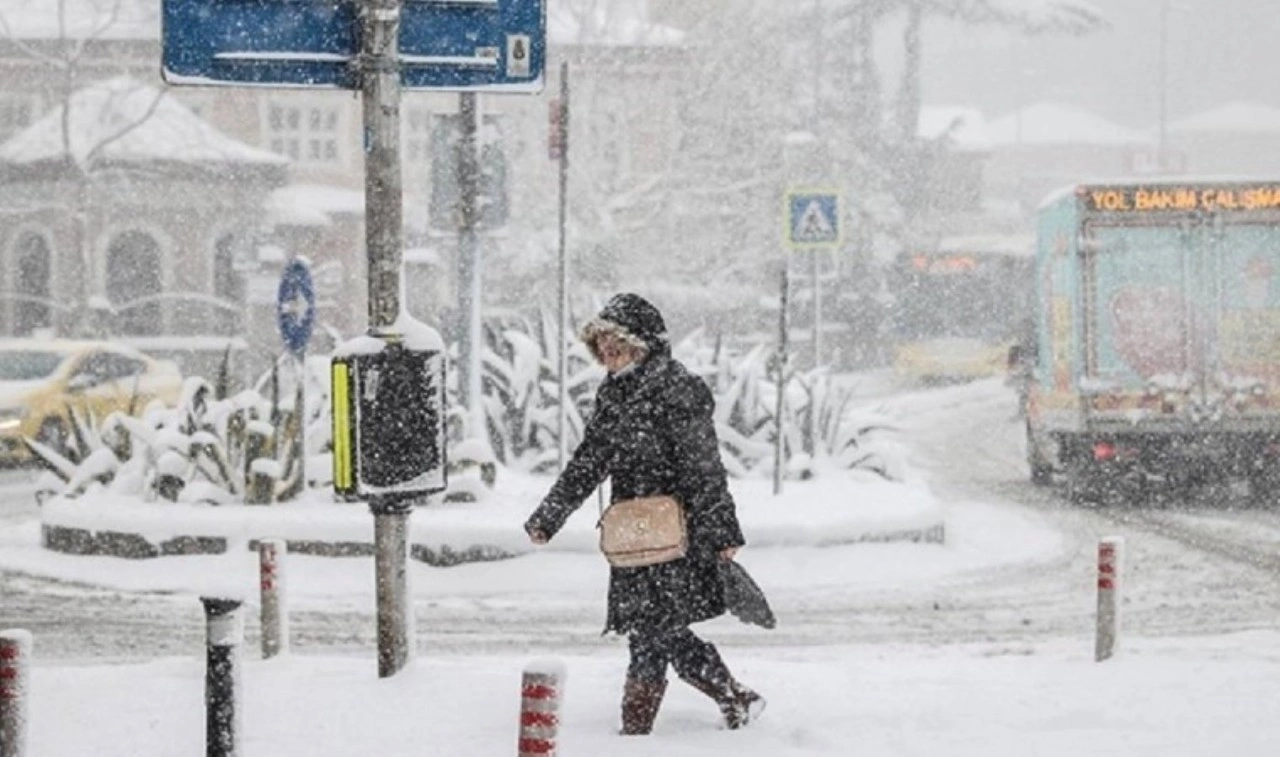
743, 597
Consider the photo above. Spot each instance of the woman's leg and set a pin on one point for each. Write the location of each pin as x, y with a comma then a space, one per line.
699, 664
649, 656
646, 682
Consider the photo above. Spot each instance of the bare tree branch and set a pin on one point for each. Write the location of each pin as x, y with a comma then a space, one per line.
108, 21
124, 131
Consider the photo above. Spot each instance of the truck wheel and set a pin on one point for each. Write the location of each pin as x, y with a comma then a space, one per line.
1041, 471
1264, 489
1080, 488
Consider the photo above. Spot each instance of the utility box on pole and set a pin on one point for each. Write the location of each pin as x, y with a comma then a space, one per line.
388, 421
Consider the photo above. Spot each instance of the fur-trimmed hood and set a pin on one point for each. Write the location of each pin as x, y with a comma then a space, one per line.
631, 318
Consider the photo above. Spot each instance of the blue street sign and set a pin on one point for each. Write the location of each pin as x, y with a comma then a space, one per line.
473, 45
296, 305
812, 218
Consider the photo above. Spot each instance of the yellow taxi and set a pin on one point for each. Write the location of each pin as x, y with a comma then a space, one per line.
41, 379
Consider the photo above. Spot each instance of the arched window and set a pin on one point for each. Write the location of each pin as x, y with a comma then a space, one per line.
33, 269
133, 272
227, 284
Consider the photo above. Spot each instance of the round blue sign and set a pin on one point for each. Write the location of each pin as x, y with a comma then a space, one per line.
296, 305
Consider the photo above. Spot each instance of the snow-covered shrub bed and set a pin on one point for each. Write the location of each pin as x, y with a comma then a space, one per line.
822, 431
219, 451
211, 449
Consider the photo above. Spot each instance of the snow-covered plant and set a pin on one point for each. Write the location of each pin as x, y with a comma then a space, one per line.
820, 426
521, 390
203, 449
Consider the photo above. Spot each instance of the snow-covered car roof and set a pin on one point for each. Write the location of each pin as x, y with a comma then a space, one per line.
67, 346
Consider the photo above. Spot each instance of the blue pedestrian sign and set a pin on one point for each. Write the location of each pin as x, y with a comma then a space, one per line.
461, 45
296, 305
812, 218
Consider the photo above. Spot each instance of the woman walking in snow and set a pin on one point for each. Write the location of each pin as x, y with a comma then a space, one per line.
652, 432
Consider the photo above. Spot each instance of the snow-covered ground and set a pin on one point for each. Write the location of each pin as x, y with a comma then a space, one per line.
1197, 696
979, 646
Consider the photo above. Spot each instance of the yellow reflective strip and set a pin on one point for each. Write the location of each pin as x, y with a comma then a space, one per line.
341, 426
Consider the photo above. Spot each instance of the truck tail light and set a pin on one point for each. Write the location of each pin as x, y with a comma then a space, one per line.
1104, 451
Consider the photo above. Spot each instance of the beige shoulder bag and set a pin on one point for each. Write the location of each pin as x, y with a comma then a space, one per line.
643, 531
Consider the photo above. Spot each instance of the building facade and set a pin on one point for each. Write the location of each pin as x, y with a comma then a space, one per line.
229, 238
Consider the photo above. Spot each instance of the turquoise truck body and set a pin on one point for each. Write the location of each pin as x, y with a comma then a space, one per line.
1157, 334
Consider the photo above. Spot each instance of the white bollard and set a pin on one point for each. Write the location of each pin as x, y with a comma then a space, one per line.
15, 690
274, 610
1110, 552
540, 692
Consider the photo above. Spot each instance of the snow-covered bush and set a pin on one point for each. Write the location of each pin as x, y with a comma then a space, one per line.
520, 392
204, 449
473, 472
520, 389
821, 429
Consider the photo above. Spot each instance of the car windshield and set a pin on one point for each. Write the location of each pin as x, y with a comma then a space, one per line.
28, 365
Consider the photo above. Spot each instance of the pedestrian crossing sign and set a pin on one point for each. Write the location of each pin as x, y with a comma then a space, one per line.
812, 218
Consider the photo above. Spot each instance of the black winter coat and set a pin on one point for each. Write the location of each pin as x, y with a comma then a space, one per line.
652, 431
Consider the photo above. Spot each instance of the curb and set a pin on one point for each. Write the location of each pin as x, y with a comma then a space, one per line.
80, 541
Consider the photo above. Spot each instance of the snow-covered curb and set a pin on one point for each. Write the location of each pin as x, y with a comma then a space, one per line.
833, 509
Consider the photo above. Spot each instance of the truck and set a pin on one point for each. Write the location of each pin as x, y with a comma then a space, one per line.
1155, 347
958, 307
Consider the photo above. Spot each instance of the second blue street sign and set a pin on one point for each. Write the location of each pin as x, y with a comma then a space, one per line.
464, 45
296, 306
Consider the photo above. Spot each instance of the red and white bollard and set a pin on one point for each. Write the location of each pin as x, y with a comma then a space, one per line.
15, 688
540, 692
273, 610
1110, 551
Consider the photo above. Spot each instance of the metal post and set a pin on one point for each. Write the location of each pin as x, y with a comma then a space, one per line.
469, 264
779, 426
816, 114
273, 607
391, 554
15, 691
384, 207
1161, 144
224, 632
1109, 559
811, 435
817, 307
562, 424
300, 408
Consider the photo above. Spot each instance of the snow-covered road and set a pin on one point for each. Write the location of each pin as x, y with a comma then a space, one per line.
1199, 569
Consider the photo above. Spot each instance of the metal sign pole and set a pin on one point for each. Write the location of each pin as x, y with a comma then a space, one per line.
562, 423
300, 410
469, 288
817, 308
390, 431
779, 426
380, 85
